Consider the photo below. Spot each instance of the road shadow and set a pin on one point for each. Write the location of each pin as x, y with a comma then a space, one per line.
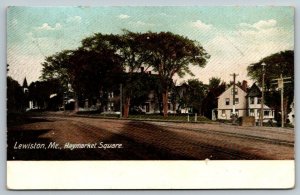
15, 119
140, 141
159, 143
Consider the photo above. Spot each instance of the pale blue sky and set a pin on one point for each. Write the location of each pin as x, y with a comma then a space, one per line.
234, 36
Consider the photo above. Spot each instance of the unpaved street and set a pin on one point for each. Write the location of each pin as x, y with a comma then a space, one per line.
79, 138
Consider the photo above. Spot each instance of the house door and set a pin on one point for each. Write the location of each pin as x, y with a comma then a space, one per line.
147, 107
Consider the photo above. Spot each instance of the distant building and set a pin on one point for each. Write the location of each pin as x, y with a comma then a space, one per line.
151, 105
291, 115
246, 104
25, 86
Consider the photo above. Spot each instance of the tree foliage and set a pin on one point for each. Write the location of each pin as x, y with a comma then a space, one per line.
170, 54
194, 94
281, 63
97, 65
276, 64
40, 93
16, 99
56, 67
210, 101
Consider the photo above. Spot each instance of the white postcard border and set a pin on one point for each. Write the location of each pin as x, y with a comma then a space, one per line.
210, 174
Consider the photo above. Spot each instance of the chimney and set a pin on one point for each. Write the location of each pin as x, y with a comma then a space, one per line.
244, 85
149, 72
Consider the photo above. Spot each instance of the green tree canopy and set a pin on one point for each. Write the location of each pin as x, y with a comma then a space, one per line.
281, 63
276, 64
170, 54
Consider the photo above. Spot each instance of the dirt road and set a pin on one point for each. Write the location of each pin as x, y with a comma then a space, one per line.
78, 138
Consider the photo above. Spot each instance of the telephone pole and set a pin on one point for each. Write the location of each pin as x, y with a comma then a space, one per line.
233, 101
281, 82
121, 100
262, 95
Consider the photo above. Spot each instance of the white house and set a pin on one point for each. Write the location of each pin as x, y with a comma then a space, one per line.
246, 104
254, 105
225, 103
291, 115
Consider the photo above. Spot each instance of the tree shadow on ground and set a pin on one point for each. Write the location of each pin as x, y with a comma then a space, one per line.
140, 141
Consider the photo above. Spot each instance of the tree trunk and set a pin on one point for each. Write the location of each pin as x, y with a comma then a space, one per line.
165, 103
174, 107
76, 107
126, 107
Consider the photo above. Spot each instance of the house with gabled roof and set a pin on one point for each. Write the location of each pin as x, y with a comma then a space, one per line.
225, 103
254, 105
247, 103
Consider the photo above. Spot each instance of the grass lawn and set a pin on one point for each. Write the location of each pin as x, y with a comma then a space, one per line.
171, 117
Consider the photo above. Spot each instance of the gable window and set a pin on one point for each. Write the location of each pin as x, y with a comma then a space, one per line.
227, 101
251, 100
236, 91
258, 100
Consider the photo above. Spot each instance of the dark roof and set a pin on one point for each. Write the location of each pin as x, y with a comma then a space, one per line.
25, 83
254, 91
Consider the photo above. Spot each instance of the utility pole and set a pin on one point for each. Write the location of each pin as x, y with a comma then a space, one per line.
121, 99
262, 95
233, 96
281, 82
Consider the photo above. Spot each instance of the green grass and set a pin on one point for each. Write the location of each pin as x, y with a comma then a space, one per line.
171, 117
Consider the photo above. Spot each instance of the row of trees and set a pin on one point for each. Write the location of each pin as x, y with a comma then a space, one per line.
100, 62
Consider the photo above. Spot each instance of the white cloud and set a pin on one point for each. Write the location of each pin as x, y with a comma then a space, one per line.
74, 19
233, 51
46, 26
201, 25
262, 24
123, 16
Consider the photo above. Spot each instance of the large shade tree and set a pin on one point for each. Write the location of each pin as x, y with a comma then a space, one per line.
126, 48
215, 88
170, 54
281, 63
129, 49
56, 66
94, 72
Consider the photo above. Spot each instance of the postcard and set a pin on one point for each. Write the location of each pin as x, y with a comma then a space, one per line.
150, 97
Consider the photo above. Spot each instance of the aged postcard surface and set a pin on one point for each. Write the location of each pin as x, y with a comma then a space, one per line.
179, 93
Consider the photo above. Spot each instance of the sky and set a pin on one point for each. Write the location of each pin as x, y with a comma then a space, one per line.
235, 37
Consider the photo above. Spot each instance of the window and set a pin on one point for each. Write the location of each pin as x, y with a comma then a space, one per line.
236, 101
236, 112
258, 100
236, 91
266, 113
251, 112
223, 112
258, 112
111, 95
227, 101
251, 100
